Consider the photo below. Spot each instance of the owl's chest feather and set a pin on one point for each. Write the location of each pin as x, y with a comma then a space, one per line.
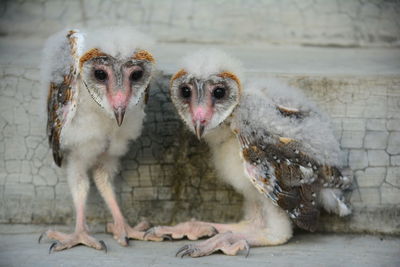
228, 162
94, 131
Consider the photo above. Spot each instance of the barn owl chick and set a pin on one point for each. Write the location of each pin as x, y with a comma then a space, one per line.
97, 83
269, 142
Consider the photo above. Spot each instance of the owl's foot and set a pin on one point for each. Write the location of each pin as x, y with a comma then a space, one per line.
193, 230
228, 243
66, 241
122, 232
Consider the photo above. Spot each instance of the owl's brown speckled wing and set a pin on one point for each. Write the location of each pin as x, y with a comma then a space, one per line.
62, 94
280, 169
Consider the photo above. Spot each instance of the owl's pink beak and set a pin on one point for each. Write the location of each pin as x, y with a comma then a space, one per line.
119, 115
201, 116
199, 129
119, 102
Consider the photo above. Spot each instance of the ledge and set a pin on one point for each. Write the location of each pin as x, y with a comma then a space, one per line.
257, 58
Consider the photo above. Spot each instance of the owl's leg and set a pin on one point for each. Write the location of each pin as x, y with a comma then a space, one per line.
79, 184
120, 229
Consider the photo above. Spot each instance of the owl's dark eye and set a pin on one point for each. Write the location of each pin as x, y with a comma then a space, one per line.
186, 92
219, 92
136, 75
100, 75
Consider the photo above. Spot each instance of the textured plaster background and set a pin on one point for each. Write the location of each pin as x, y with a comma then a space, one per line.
167, 176
309, 22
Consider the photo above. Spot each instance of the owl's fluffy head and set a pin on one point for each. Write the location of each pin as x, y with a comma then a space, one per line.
113, 64
207, 89
117, 41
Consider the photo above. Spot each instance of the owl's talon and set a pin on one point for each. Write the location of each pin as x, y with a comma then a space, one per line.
52, 246
247, 248
185, 247
122, 232
148, 232
214, 230
103, 246
187, 252
167, 237
41, 236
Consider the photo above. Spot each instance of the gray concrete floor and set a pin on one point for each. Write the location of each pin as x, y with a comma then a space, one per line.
19, 247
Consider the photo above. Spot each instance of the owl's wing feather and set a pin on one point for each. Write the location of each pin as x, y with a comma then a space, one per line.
62, 73
280, 169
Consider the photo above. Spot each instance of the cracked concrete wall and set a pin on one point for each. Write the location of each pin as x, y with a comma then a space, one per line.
306, 22
166, 176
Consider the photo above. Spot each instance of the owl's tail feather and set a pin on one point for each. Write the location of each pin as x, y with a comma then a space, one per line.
333, 202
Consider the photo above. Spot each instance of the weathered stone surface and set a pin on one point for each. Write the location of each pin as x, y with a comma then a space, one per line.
353, 124
167, 169
376, 140
352, 139
390, 194
393, 125
376, 124
393, 176
372, 176
45, 192
170, 177
378, 158
394, 143
395, 160
358, 159
370, 196
13, 166
15, 189
144, 193
342, 23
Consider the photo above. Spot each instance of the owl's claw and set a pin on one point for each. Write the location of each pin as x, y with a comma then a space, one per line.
188, 252
154, 237
103, 245
122, 232
41, 236
247, 248
168, 237
148, 232
52, 245
185, 247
